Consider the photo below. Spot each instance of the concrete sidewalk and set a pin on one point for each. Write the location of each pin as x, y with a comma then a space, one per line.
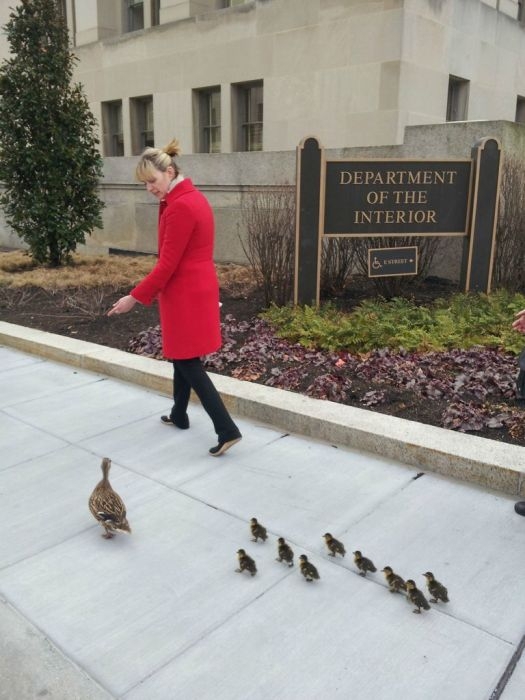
162, 613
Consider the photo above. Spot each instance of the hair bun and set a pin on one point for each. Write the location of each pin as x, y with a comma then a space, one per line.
173, 148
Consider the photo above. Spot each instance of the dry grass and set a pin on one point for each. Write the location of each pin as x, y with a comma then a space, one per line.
18, 270
239, 280
90, 271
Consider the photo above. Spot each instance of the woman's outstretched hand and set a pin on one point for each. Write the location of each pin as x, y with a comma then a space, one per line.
122, 306
519, 323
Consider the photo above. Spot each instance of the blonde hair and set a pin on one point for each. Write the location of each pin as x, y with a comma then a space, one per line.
153, 159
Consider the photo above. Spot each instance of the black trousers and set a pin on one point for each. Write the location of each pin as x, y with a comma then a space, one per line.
190, 374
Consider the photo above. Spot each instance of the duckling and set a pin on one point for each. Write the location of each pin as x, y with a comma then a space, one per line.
246, 563
107, 506
363, 564
308, 570
334, 546
415, 597
436, 589
284, 551
257, 530
395, 582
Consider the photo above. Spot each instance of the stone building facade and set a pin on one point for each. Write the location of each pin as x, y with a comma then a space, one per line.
228, 76
241, 82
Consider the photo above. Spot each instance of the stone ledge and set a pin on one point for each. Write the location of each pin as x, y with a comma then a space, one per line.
477, 460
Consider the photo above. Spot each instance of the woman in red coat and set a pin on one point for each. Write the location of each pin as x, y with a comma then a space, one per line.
184, 282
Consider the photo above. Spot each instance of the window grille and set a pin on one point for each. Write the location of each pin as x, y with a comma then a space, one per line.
112, 128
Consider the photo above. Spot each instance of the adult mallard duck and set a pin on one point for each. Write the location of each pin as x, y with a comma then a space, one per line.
107, 506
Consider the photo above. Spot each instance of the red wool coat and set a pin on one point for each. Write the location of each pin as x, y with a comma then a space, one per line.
184, 279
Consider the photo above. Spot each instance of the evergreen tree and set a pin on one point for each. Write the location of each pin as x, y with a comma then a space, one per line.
49, 161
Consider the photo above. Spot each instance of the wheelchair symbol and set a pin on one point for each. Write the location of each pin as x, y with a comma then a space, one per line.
376, 264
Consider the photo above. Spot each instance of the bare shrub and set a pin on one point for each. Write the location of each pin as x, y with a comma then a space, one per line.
337, 263
509, 262
389, 287
269, 217
87, 302
20, 297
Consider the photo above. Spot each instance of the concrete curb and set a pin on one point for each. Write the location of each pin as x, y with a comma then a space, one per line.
477, 460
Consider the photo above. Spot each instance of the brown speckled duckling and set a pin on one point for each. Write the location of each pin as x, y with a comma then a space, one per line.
436, 589
363, 564
257, 530
395, 582
334, 546
246, 563
308, 570
415, 597
284, 551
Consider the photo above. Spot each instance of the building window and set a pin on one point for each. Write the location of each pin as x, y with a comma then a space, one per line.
520, 110
457, 102
231, 3
134, 19
207, 104
248, 109
112, 128
155, 12
142, 134
62, 9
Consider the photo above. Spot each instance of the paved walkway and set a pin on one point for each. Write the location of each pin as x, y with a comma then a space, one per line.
162, 614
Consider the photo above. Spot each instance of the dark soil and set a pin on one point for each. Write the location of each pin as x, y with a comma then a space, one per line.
80, 313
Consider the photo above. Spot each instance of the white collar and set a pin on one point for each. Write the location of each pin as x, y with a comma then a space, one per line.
176, 181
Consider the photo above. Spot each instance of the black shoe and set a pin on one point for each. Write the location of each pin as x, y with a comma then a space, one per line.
183, 425
221, 448
519, 507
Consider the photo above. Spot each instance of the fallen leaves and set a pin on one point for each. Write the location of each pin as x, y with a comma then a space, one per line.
472, 389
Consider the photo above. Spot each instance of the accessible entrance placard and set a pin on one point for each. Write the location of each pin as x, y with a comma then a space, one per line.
392, 262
